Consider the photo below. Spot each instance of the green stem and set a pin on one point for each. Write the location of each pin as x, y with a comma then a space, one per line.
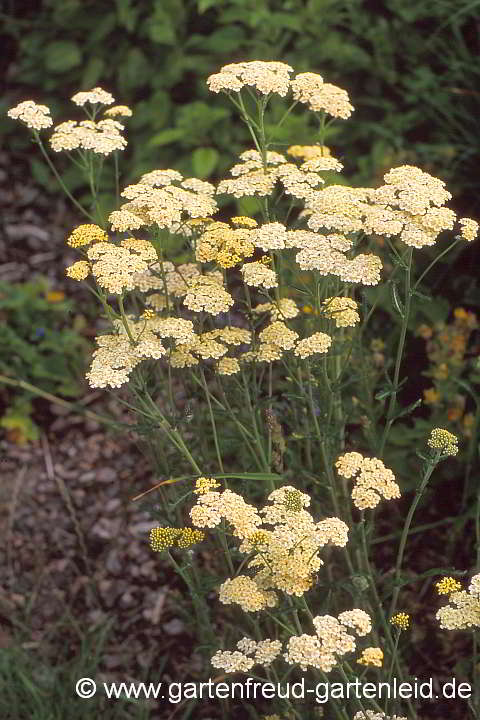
74, 407
434, 262
125, 320
212, 420
59, 179
403, 540
401, 345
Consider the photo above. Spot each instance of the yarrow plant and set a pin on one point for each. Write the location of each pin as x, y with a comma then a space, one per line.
241, 343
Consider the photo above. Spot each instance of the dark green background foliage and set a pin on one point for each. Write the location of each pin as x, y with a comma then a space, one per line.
410, 67
39, 344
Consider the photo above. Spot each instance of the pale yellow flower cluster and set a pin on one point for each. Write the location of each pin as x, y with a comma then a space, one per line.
114, 266
331, 641
463, 610
318, 343
36, 117
263, 652
469, 228
165, 199
204, 484
316, 158
338, 207
246, 592
279, 334
102, 138
227, 366
284, 309
289, 555
205, 294
114, 359
321, 164
250, 177
372, 480
309, 88
171, 279
372, 656
224, 245
373, 715
410, 205
257, 274
214, 506
325, 255
266, 77
94, 96
116, 356
342, 310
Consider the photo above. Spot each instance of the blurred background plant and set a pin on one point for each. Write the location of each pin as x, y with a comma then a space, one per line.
40, 344
409, 67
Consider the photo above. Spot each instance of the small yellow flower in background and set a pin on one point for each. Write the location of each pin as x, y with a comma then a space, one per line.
371, 656
243, 221
443, 440
448, 585
454, 414
441, 372
460, 313
469, 229
431, 396
54, 296
377, 345
78, 271
86, 234
204, 484
34, 116
468, 423
148, 314
400, 620
424, 331
118, 111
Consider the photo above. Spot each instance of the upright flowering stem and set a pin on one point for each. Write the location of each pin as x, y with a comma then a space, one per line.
203, 617
58, 177
392, 663
401, 345
124, 319
432, 463
212, 420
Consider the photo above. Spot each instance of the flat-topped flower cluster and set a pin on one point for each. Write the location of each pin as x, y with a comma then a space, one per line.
283, 537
